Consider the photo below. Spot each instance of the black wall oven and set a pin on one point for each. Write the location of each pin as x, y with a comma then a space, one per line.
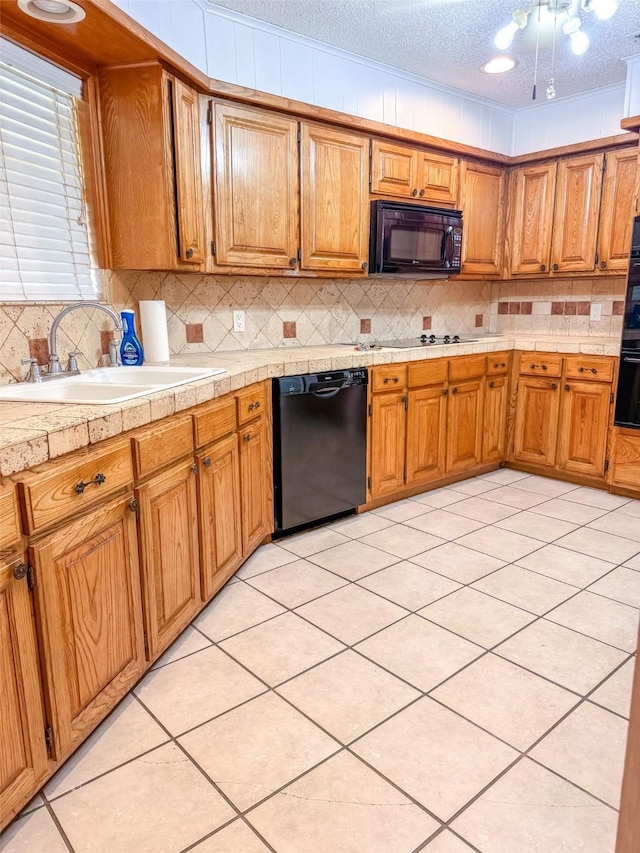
628, 397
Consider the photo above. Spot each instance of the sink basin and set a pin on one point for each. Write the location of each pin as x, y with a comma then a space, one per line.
106, 385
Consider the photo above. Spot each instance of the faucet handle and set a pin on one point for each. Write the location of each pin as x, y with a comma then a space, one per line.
33, 374
72, 366
54, 364
114, 347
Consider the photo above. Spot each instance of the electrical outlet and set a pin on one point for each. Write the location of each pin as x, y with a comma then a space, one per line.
238, 321
596, 311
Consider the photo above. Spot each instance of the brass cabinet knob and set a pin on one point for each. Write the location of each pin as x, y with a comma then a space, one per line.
20, 571
365, 265
543, 267
414, 193
189, 253
293, 262
421, 193
207, 462
556, 267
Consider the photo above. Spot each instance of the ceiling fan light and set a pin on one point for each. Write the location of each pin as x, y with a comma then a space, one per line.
570, 26
498, 65
579, 42
504, 37
605, 9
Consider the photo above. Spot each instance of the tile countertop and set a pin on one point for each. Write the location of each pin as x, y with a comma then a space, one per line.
31, 433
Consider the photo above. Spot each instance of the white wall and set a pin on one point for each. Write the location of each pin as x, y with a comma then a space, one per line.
238, 49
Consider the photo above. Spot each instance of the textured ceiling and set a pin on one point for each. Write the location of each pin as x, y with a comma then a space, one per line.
448, 40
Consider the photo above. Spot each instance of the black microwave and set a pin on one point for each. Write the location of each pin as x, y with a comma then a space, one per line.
409, 239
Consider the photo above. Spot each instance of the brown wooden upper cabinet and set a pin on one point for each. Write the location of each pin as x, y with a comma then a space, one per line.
575, 219
153, 173
256, 188
482, 197
617, 209
410, 173
531, 217
334, 199
572, 216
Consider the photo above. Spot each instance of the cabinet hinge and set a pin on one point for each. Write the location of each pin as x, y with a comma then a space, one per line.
299, 254
48, 738
597, 259
31, 577
370, 409
213, 248
611, 398
209, 115
299, 136
604, 164
404, 474
606, 464
369, 482
146, 642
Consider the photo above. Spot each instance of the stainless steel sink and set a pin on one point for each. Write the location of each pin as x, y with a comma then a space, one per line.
104, 386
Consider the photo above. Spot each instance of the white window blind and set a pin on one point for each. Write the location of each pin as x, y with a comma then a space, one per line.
44, 240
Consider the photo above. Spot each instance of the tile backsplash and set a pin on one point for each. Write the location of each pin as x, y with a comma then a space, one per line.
289, 312
279, 312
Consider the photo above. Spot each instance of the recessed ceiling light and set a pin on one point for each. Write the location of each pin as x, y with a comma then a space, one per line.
498, 65
53, 11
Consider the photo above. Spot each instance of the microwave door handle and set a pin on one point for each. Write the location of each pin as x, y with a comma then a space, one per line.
446, 257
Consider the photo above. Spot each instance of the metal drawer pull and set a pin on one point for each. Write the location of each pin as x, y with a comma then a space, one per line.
247, 437
567, 387
492, 385
454, 390
536, 366
207, 462
593, 370
98, 480
503, 364
390, 379
255, 405
20, 571
554, 385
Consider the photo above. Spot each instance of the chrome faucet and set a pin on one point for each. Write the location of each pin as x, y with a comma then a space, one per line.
54, 361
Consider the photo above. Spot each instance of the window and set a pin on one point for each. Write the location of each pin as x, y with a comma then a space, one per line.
44, 236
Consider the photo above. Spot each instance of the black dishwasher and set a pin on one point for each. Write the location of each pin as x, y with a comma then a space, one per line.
319, 445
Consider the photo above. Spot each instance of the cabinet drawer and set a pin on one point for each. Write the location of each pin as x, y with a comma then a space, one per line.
466, 367
498, 363
251, 403
588, 367
214, 421
540, 364
54, 491
9, 517
157, 446
388, 377
430, 373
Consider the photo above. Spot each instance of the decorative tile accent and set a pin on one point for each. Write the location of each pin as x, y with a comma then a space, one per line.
570, 308
365, 327
289, 329
503, 307
195, 333
514, 308
618, 308
426, 324
106, 336
39, 348
557, 308
583, 309
479, 321
526, 307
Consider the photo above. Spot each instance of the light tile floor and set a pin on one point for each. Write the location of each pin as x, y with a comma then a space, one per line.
447, 673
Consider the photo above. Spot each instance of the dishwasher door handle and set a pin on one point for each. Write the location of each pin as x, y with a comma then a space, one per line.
326, 392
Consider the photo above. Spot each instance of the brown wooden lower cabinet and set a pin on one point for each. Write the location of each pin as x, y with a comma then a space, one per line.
254, 468
388, 442
23, 752
89, 618
169, 561
584, 422
494, 430
426, 435
219, 512
464, 426
625, 464
536, 421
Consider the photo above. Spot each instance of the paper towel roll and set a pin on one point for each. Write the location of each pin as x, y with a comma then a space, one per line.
153, 322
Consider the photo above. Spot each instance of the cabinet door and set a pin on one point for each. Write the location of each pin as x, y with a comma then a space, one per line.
168, 525
23, 754
438, 178
334, 200
584, 422
394, 169
426, 434
625, 466
464, 426
220, 513
482, 203
89, 616
254, 474
536, 428
575, 218
188, 175
387, 443
494, 433
256, 198
616, 209
530, 218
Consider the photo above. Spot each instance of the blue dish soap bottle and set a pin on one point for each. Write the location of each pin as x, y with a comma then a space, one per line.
131, 352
